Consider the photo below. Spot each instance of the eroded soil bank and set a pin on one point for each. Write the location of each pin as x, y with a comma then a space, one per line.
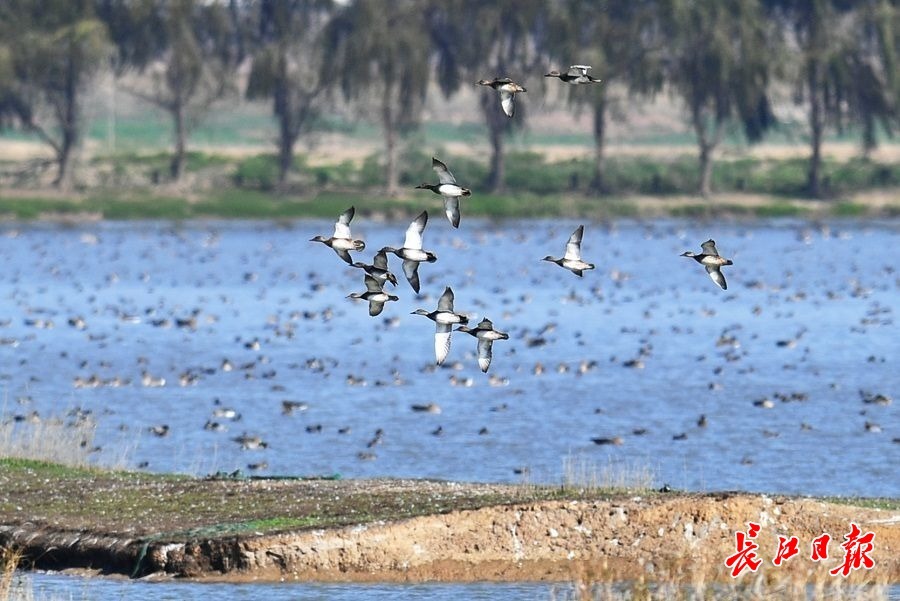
671, 537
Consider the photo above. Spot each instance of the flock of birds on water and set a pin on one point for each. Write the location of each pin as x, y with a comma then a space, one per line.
377, 276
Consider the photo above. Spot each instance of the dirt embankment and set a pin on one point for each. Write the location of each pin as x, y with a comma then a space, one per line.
671, 537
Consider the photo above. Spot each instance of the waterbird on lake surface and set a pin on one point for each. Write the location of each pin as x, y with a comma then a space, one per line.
507, 89
444, 318
411, 252
449, 189
711, 260
250, 442
572, 259
486, 335
341, 240
576, 74
378, 269
375, 295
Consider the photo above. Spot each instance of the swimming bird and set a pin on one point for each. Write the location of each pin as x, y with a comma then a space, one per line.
486, 335
341, 240
572, 259
375, 295
449, 189
507, 89
378, 269
711, 260
411, 252
444, 318
575, 75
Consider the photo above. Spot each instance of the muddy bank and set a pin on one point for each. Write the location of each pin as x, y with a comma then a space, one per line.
671, 537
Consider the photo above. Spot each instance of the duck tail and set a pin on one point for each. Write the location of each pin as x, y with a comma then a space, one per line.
466, 192
729, 262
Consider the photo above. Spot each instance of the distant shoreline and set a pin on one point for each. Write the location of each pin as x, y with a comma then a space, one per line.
49, 206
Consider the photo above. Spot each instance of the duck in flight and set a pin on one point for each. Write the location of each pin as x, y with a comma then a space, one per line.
448, 188
341, 240
711, 260
486, 335
375, 294
575, 75
508, 90
411, 252
378, 269
572, 259
444, 318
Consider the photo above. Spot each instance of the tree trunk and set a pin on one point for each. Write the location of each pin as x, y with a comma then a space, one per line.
705, 169
814, 177
706, 144
389, 124
598, 183
286, 130
177, 168
63, 179
68, 114
497, 126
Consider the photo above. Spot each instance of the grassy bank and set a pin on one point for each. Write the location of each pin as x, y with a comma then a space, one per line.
253, 204
180, 507
135, 186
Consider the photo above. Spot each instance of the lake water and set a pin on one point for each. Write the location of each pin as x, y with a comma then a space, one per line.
807, 322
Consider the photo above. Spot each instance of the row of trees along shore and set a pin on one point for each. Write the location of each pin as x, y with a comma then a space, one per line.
727, 61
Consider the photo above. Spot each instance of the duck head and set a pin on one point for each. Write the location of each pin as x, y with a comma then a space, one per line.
388, 249
465, 329
432, 187
485, 82
549, 258
421, 312
355, 295
322, 239
553, 73
688, 253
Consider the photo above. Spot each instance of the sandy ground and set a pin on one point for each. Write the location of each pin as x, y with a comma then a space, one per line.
673, 538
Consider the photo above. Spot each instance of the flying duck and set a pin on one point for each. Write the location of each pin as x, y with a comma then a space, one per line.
444, 318
508, 90
375, 295
486, 335
342, 241
572, 259
575, 75
412, 253
378, 269
711, 260
449, 189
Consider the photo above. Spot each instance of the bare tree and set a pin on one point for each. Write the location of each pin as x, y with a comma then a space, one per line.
49, 55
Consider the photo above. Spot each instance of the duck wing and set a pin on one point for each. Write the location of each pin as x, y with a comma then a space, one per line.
375, 308
484, 354
716, 274
709, 248
380, 260
373, 285
345, 255
443, 173
573, 246
442, 342
411, 270
342, 225
578, 70
508, 102
445, 303
414, 232
451, 209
